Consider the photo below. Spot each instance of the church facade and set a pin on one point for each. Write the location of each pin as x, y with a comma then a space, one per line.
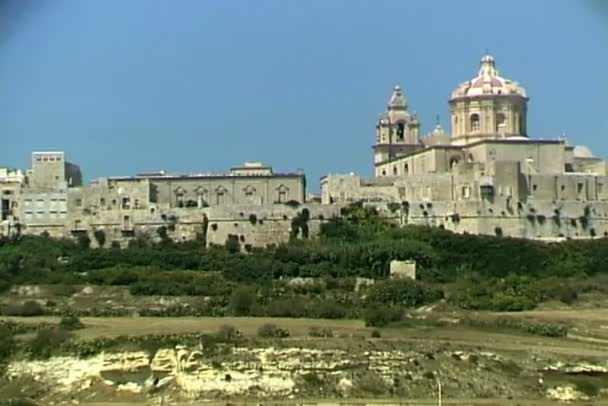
486, 177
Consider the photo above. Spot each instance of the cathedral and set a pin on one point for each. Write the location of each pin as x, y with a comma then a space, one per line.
488, 176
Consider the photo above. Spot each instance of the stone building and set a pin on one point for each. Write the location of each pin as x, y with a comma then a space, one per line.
51, 199
487, 176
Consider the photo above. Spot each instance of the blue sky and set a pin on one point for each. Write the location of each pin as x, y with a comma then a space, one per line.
196, 86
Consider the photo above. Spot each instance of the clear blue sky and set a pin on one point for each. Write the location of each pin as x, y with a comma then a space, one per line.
194, 85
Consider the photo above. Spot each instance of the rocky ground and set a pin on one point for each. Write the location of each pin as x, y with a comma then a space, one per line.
476, 358
344, 367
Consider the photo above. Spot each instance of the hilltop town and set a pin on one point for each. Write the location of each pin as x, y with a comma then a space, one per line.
488, 176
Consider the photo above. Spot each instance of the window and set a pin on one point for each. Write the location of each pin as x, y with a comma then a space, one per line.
406, 169
383, 172
501, 122
394, 170
249, 191
282, 193
78, 202
475, 122
179, 196
220, 197
126, 203
534, 187
400, 131
102, 201
466, 192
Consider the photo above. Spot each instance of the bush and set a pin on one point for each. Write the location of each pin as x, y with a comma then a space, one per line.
70, 323
243, 301
331, 310
323, 332
30, 308
233, 244
47, 341
270, 330
588, 387
380, 316
84, 241
7, 343
100, 237
376, 334
403, 292
228, 333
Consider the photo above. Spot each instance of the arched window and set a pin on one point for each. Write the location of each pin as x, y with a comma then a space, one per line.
475, 122
400, 131
180, 192
406, 169
455, 160
282, 194
501, 122
394, 170
383, 172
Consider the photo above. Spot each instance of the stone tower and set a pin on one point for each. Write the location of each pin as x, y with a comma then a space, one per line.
397, 131
488, 106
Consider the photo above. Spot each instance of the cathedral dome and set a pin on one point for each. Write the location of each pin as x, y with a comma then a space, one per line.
488, 82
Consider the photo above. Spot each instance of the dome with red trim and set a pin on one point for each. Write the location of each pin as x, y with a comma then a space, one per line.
488, 83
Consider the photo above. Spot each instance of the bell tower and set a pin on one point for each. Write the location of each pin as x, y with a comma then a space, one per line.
397, 131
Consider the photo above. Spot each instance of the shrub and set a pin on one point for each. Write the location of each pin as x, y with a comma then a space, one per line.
588, 387
47, 341
233, 244
331, 310
243, 301
403, 292
228, 333
323, 332
393, 207
30, 308
70, 323
162, 233
253, 219
370, 382
376, 334
270, 330
84, 241
380, 316
100, 237
7, 343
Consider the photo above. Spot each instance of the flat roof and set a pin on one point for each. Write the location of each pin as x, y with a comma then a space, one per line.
209, 176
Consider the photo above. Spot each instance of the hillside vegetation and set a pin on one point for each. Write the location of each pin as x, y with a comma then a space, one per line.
470, 272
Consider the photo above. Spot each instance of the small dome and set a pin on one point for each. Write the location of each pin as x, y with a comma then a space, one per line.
438, 130
581, 151
488, 82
